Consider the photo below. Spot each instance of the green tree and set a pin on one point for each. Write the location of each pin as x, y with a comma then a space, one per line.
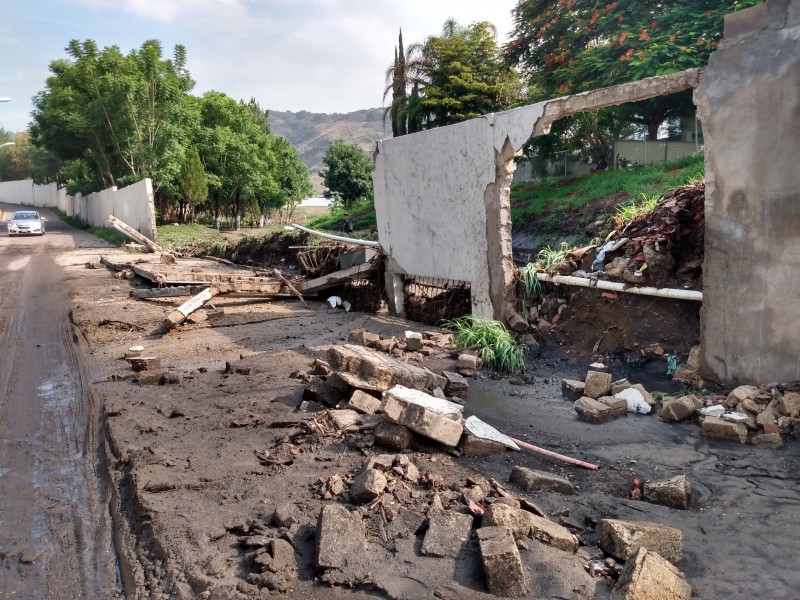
115, 112
570, 46
292, 178
347, 173
23, 160
194, 184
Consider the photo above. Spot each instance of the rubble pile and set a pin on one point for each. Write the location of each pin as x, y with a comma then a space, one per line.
760, 416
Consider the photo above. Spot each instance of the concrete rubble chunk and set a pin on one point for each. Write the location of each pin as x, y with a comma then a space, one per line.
789, 405
364, 403
484, 431
368, 486
145, 363
524, 524
635, 400
736, 417
619, 385
369, 369
621, 539
679, 409
593, 411
648, 576
572, 389
363, 338
393, 436
447, 532
344, 418
721, 429
597, 384
413, 341
517, 323
674, 492
769, 414
740, 394
456, 385
502, 564
645, 394
716, 410
618, 406
422, 413
340, 535
772, 440
531, 480
321, 391
469, 362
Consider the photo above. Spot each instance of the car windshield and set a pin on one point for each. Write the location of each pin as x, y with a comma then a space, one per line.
24, 216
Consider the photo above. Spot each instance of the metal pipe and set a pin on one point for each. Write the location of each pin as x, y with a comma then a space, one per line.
556, 455
614, 286
336, 238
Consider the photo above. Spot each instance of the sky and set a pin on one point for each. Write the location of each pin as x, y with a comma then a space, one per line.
315, 55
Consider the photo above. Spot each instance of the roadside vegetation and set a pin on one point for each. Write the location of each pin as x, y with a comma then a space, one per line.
112, 236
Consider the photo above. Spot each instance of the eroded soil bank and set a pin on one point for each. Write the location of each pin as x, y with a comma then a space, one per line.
201, 465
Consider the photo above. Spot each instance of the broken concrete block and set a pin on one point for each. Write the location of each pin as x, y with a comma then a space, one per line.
424, 414
368, 369
393, 436
597, 384
674, 492
516, 322
363, 338
469, 361
364, 403
635, 400
145, 363
619, 385
769, 414
368, 486
479, 429
572, 389
736, 417
151, 378
717, 410
344, 418
618, 406
456, 385
447, 532
720, 429
592, 411
340, 535
502, 564
622, 539
413, 341
525, 524
648, 576
740, 394
531, 480
385, 345
678, 409
789, 404
770, 440
322, 392
198, 316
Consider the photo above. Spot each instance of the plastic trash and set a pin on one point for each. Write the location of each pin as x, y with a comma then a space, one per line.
716, 410
334, 301
599, 263
672, 363
635, 400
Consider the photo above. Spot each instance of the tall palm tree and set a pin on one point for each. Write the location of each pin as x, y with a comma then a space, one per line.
403, 75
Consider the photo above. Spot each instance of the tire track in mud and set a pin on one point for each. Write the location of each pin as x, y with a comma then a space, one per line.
54, 537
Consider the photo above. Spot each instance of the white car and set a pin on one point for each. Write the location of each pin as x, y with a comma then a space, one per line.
26, 222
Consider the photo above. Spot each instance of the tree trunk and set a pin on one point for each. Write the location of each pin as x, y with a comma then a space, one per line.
652, 130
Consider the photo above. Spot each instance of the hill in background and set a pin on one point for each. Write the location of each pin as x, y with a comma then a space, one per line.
312, 133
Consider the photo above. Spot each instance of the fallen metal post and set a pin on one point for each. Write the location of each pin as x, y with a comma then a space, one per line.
614, 286
556, 455
335, 238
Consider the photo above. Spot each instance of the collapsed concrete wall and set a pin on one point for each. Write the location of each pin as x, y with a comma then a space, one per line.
133, 204
442, 196
749, 103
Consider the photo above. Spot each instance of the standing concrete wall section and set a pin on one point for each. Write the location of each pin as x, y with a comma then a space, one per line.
749, 103
442, 196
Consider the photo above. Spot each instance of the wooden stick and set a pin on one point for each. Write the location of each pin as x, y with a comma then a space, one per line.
178, 316
289, 285
556, 455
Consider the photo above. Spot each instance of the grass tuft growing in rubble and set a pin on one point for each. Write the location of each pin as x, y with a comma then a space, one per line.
546, 257
498, 349
635, 210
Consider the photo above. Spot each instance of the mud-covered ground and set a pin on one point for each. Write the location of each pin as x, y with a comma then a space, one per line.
198, 467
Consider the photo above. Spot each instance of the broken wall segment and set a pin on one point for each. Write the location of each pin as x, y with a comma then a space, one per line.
752, 197
422, 413
442, 196
368, 369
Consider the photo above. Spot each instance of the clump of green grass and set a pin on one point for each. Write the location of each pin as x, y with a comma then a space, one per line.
112, 236
527, 274
498, 349
635, 210
546, 257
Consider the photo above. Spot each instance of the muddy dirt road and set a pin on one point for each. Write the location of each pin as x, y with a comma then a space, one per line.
54, 530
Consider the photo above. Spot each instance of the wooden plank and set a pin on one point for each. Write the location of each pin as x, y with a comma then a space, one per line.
339, 277
178, 316
288, 284
126, 229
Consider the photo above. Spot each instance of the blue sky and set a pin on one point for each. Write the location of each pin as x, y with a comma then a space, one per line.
315, 55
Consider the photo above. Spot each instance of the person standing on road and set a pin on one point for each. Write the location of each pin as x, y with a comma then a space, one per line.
347, 224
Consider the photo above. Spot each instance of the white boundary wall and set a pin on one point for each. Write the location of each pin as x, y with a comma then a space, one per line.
133, 204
